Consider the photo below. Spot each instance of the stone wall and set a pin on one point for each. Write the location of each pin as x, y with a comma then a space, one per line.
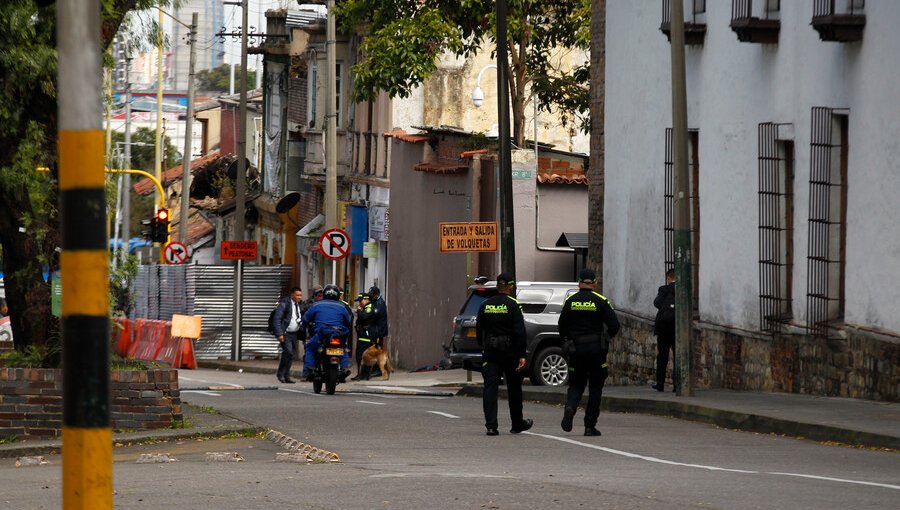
31, 401
860, 364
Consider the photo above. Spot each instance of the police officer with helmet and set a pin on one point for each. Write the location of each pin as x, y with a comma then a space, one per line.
581, 324
500, 330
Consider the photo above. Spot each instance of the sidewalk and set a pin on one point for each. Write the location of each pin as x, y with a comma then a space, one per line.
843, 420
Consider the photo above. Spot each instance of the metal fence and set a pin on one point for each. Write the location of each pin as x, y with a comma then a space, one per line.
208, 291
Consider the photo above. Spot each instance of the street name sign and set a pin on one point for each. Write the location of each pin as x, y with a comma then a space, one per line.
335, 244
477, 236
238, 250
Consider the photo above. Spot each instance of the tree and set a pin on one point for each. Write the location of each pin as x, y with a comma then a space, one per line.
403, 40
29, 225
143, 157
218, 79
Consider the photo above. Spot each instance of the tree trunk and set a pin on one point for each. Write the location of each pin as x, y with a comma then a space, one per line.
27, 295
596, 172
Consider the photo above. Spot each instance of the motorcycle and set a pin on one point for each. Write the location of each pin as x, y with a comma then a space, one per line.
327, 369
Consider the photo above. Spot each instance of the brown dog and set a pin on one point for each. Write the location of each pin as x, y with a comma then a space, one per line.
376, 355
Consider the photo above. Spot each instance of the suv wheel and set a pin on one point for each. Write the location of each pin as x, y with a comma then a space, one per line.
550, 368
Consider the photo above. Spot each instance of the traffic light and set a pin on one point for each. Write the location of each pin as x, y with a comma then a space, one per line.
160, 226
148, 230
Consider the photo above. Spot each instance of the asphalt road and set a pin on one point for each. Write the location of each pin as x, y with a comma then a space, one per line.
414, 452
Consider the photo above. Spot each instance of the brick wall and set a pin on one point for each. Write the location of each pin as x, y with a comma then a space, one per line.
861, 365
31, 401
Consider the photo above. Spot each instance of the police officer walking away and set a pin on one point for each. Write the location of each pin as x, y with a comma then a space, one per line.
500, 330
581, 324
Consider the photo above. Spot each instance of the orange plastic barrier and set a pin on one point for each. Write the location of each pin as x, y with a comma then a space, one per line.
178, 352
123, 340
149, 338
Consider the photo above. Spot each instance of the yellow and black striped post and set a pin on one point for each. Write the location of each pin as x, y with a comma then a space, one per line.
87, 436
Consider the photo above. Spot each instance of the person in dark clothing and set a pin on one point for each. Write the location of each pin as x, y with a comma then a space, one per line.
581, 324
500, 330
664, 328
378, 328
287, 325
364, 315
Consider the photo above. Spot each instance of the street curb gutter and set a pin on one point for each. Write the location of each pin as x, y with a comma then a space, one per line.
719, 417
51, 447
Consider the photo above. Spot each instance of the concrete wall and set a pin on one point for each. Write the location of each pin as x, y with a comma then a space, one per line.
732, 87
427, 287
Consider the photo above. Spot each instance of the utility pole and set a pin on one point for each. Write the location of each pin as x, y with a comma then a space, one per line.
159, 99
126, 178
188, 134
331, 219
87, 434
684, 308
241, 184
507, 226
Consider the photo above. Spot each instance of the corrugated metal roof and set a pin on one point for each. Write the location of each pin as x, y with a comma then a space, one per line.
573, 240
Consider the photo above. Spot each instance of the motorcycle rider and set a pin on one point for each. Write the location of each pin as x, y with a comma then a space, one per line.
327, 319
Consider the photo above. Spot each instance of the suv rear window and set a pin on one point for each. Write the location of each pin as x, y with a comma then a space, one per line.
534, 300
477, 297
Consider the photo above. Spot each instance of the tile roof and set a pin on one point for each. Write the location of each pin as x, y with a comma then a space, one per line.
401, 134
547, 178
441, 168
145, 185
198, 227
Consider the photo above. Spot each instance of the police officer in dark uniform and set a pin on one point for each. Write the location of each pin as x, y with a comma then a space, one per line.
581, 323
500, 330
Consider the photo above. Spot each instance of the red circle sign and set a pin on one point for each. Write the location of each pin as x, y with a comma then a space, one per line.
335, 244
175, 253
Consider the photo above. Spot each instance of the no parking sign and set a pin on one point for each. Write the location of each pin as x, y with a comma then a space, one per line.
335, 244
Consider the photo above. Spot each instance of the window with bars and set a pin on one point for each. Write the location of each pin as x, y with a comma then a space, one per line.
776, 226
694, 198
827, 219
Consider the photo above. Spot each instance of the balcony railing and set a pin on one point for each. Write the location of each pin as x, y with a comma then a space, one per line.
755, 29
694, 28
314, 162
840, 26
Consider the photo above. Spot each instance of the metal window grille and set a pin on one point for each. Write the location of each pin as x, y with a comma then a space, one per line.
743, 9
827, 219
776, 192
696, 7
827, 7
669, 205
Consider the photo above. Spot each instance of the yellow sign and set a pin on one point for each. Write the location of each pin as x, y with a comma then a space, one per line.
468, 236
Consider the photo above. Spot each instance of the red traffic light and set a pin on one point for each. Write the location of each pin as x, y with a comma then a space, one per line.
162, 215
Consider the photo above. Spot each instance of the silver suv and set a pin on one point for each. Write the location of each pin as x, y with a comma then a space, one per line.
541, 303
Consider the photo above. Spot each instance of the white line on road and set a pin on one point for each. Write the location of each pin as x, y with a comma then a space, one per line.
202, 392
398, 388
183, 378
301, 392
373, 403
447, 415
710, 468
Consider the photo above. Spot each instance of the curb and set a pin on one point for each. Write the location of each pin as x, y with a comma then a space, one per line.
54, 446
722, 418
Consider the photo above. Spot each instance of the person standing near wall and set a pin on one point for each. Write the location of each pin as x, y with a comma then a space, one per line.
664, 328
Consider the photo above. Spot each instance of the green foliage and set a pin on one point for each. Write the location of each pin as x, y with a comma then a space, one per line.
118, 363
218, 79
9, 439
143, 150
120, 278
403, 41
181, 424
33, 356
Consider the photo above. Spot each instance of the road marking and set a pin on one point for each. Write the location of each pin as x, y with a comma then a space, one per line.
398, 388
710, 468
301, 392
447, 415
202, 392
444, 475
183, 378
373, 403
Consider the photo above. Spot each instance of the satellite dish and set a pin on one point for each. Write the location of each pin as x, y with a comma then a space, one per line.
287, 202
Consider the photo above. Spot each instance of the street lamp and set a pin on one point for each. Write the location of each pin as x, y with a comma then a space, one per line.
478, 94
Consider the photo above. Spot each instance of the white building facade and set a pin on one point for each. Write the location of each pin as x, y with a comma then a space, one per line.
794, 116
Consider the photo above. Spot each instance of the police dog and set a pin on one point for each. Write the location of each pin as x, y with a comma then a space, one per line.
376, 355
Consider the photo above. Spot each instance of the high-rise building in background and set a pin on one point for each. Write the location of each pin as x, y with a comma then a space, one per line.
210, 48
